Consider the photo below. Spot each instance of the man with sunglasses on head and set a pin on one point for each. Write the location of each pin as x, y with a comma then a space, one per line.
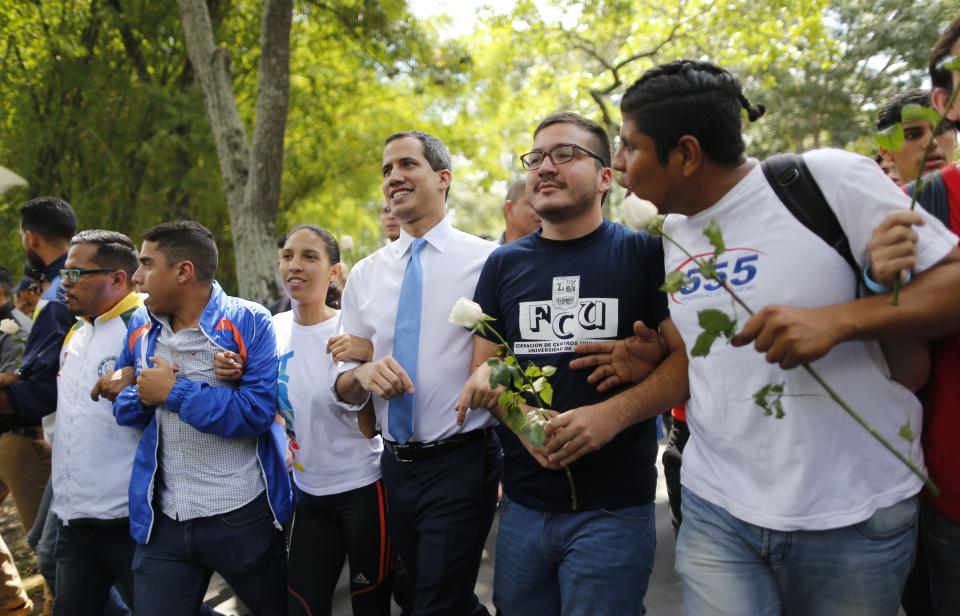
29, 395
581, 279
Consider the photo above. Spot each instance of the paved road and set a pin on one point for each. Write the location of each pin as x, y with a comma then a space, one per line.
663, 596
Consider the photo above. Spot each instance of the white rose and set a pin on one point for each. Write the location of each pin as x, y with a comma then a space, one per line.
9, 326
9, 179
637, 213
466, 313
346, 242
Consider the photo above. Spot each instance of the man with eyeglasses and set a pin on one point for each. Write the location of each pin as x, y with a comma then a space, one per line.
580, 279
28, 396
93, 456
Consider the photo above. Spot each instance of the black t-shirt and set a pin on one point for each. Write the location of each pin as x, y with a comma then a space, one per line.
547, 296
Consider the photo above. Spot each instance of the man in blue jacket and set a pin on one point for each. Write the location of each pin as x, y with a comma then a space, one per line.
28, 395
209, 489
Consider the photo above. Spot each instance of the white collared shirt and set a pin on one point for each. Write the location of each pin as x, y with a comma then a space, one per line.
451, 263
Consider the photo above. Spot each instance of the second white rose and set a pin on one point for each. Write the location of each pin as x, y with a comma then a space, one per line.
466, 313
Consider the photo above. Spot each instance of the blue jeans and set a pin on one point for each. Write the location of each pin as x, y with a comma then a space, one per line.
90, 559
941, 537
171, 572
730, 567
584, 563
44, 538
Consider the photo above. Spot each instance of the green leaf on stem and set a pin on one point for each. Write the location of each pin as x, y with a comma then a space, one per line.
534, 425
510, 360
708, 268
701, 347
673, 282
546, 394
890, 138
532, 371
538, 384
534, 433
514, 419
500, 376
548, 371
769, 398
508, 399
717, 322
778, 408
518, 380
916, 113
715, 235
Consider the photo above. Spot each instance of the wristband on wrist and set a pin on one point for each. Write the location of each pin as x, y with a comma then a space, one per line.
876, 287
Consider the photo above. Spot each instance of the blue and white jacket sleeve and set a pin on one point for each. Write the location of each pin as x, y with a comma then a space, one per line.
127, 408
247, 410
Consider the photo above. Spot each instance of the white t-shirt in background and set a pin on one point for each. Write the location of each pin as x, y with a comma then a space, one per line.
334, 455
815, 468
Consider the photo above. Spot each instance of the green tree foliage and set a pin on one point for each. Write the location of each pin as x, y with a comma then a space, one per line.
828, 95
98, 109
101, 105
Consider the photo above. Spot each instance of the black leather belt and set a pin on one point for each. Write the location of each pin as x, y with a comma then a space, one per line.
412, 452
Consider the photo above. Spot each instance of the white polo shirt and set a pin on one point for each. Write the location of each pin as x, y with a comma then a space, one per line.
451, 264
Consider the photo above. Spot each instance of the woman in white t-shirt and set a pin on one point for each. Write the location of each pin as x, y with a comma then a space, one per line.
341, 508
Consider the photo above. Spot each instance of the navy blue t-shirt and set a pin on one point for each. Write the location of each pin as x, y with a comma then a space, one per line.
548, 295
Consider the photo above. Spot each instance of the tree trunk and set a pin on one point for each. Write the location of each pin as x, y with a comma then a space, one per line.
250, 175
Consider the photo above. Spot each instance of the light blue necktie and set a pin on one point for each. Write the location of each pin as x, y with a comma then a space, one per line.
406, 341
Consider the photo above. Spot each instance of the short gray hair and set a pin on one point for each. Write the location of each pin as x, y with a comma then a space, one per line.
516, 190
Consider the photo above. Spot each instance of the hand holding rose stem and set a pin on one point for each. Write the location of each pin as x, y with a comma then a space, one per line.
652, 222
506, 372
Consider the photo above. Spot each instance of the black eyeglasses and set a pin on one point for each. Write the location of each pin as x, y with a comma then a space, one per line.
560, 154
73, 275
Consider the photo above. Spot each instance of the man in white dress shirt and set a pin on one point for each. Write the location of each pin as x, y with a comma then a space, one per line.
441, 478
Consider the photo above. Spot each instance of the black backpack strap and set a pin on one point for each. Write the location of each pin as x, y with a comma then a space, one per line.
790, 178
